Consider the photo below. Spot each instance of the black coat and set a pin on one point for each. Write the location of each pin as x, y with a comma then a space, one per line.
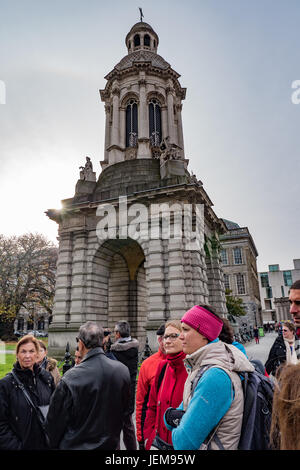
89, 405
127, 352
19, 426
277, 355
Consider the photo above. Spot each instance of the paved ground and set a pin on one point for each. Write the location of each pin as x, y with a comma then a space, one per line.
260, 351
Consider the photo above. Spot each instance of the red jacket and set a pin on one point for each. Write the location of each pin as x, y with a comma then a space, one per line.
169, 395
145, 380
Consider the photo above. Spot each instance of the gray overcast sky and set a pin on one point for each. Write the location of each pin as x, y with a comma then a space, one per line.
237, 59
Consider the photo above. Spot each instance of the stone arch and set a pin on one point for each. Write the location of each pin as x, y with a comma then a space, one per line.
120, 287
131, 95
158, 96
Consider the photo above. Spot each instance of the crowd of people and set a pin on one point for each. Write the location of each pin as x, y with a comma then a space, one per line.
188, 396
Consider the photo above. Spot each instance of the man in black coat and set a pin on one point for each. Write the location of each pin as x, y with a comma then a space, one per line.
90, 403
125, 349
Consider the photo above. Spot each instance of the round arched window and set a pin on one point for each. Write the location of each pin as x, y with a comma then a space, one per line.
155, 123
147, 40
131, 123
137, 40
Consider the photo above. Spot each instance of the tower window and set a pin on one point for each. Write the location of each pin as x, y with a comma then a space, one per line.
137, 40
131, 124
147, 40
155, 123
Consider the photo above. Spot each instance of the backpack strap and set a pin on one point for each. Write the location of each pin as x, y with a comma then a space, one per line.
198, 377
213, 436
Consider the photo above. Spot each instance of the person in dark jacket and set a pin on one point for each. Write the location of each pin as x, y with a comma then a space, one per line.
91, 401
20, 428
283, 349
125, 349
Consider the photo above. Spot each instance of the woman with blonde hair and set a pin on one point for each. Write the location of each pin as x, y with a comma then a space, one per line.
285, 427
167, 388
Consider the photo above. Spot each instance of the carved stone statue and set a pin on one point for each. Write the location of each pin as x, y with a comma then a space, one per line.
86, 173
168, 151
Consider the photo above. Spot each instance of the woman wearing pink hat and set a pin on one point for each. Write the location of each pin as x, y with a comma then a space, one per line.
210, 415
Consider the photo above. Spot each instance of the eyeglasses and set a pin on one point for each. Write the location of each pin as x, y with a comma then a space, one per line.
171, 337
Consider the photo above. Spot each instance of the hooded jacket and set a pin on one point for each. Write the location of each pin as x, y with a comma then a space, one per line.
217, 400
126, 350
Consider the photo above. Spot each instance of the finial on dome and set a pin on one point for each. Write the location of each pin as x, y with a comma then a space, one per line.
141, 13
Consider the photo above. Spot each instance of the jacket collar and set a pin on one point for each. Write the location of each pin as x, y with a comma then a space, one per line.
92, 352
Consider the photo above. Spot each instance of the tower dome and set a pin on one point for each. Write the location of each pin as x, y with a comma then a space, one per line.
141, 37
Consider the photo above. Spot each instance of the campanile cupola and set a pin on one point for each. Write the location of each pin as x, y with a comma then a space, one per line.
143, 102
141, 37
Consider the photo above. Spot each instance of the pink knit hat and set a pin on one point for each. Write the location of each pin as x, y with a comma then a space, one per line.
203, 321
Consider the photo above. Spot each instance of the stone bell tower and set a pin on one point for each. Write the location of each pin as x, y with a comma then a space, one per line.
143, 102
153, 273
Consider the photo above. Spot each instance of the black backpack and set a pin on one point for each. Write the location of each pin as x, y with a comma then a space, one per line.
258, 398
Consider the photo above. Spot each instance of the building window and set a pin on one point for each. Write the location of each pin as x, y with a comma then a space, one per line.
224, 259
20, 326
273, 268
226, 282
131, 124
155, 123
269, 292
264, 279
240, 283
268, 304
147, 40
237, 256
282, 291
287, 276
137, 40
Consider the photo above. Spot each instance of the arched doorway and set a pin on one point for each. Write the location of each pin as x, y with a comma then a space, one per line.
119, 286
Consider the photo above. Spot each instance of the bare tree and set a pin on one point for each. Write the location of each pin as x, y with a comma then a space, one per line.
27, 274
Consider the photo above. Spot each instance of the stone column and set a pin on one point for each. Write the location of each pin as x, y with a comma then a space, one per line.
107, 132
143, 122
115, 117
122, 127
78, 296
143, 126
164, 123
62, 299
171, 124
180, 129
176, 278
